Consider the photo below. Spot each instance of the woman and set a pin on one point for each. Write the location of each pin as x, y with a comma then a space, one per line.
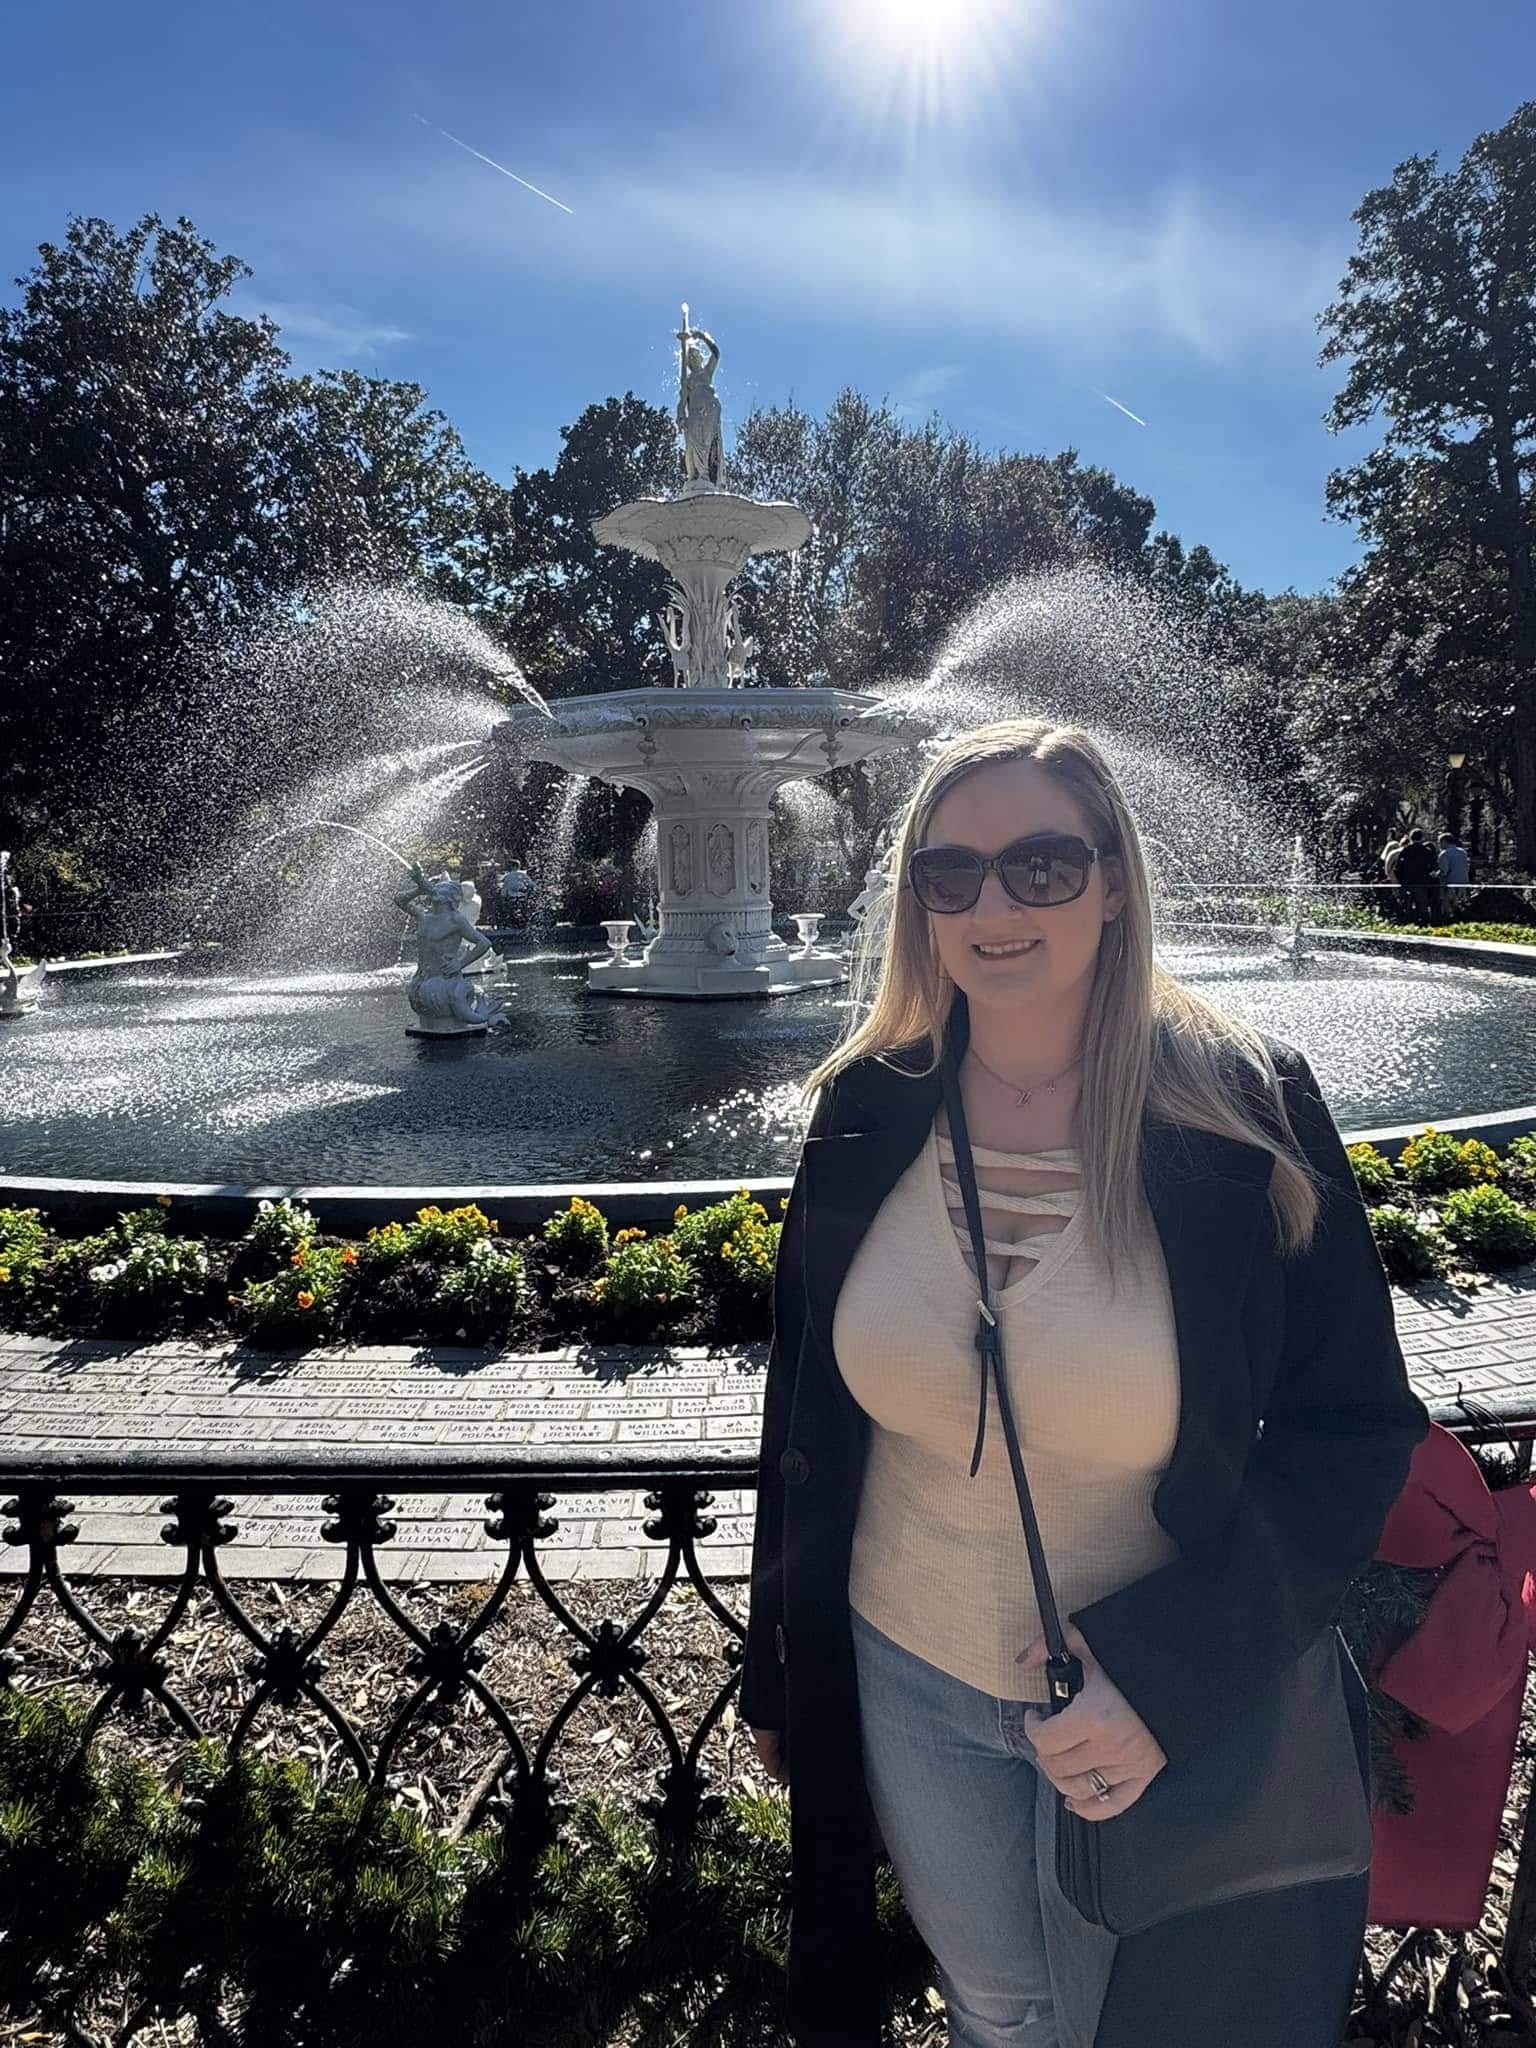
1176, 1250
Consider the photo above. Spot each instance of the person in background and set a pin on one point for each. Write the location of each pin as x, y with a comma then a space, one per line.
488, 888
515, 885
1418, 871
1455, 873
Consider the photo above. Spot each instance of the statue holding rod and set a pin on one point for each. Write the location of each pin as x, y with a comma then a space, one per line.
698, 406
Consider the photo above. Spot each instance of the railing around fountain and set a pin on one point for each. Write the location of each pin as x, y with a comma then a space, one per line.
142, 1667
1335, 913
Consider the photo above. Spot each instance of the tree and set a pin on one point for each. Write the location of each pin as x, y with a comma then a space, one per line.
584, 617
165, 481
138, 433
1436, 318
912, 525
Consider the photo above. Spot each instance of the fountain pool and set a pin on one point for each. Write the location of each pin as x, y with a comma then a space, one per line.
170, 1076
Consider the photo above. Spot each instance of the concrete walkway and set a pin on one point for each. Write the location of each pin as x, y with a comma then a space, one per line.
120, 1400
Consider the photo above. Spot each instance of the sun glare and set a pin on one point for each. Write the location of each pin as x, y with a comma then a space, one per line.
934, 57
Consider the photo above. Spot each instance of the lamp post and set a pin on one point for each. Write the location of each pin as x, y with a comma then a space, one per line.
1455, 760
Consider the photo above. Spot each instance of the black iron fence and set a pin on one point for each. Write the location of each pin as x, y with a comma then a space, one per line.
133, 1666
441, 1668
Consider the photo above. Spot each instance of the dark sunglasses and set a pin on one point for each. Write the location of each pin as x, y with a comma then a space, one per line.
1046, 868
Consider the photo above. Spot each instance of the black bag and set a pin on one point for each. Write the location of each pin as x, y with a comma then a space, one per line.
1277, 1800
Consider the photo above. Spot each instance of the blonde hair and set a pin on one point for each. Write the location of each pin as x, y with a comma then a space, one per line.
1149, 1044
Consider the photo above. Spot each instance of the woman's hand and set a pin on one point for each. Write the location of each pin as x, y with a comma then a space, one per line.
769, 1744
1098, 1731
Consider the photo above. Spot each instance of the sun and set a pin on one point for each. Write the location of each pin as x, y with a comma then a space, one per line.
933, 58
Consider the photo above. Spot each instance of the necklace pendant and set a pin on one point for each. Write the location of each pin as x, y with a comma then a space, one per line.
1024, 1095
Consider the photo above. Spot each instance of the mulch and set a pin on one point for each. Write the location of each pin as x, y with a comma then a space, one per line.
608, 1746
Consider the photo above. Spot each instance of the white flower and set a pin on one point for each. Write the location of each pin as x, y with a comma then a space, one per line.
104, 1275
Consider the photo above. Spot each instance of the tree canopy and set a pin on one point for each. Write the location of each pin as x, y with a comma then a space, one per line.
1436, 321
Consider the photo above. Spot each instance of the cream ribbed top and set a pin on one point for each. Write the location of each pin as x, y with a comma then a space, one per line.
939, 1560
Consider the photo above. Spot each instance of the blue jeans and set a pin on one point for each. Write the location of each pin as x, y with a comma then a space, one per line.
969, 1822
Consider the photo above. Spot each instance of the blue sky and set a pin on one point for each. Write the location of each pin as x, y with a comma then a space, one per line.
1003, 218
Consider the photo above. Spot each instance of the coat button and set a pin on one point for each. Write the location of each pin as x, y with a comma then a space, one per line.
779, 1649
795, 1467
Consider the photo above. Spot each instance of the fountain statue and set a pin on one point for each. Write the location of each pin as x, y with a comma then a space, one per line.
698, 408
877, 878
21, 988
709, 752
446, 1004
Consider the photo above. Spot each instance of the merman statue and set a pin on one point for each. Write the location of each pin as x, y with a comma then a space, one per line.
446, 1003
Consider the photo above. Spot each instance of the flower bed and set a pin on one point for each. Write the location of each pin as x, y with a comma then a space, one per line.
444, 1276
1446, 1206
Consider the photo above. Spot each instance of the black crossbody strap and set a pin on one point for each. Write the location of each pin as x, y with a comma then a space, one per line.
1065, 1672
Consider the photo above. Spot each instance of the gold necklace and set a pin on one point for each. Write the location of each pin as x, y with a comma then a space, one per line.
1013, 1087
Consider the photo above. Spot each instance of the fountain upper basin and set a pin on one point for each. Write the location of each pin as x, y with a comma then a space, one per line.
647, 736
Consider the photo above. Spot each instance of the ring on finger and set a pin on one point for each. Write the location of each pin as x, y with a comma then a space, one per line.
1100, 1785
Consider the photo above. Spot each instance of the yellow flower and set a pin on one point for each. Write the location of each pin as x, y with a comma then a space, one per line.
349, 1256
679, 1212
5, 1272
305, 1300
727, 1250
495, 1225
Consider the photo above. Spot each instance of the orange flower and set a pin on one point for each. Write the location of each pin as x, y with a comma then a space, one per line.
300, 1257
349, 1256
306, 1300
164, 1201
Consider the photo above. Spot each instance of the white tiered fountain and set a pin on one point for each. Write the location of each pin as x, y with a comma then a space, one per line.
710, 752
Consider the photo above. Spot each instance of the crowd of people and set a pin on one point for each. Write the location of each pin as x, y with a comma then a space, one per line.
1425, 877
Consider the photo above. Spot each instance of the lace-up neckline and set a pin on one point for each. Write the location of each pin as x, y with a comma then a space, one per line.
1023, 1237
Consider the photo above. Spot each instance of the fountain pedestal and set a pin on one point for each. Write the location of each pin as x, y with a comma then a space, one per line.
711, 761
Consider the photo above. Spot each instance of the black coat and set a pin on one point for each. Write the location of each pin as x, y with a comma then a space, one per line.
1271, 1522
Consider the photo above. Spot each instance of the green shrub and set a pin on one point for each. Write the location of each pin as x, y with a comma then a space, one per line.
279, 1228
1373, 1172
132, 1279
484, 1297
645, 1286
1435, 1160
1489, 1226
1410, 1249
1520, 1167
23, 1244
702, 1234
748, 1259
322, 1915
300, 1303
577, 1238
447, 1237
153, 1273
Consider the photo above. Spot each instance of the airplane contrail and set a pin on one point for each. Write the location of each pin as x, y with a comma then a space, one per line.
1136, 416
535, 189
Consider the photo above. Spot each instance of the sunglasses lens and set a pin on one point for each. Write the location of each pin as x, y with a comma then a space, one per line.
945, 879
1047, 870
